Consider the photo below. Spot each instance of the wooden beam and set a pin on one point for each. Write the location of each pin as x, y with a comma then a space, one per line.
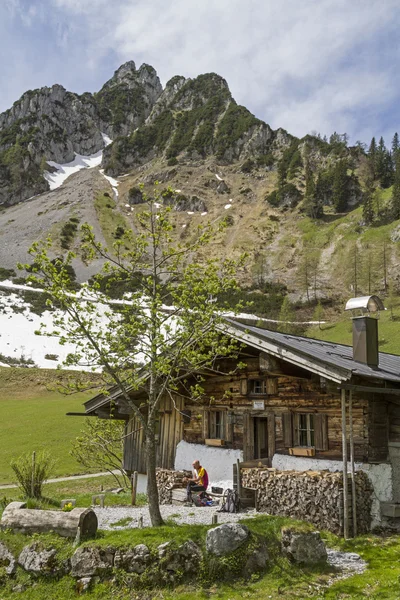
369, 389
344, 457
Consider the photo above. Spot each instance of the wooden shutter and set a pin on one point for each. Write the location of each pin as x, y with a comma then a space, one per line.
287, 426
244, 387
228, 426
271, 436
321, 431
272, 386
248, 437
206, 426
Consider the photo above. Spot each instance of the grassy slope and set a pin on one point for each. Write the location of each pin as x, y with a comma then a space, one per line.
341, 331
33, 418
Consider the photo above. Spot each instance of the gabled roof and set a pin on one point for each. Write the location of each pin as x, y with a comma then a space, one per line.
328, 359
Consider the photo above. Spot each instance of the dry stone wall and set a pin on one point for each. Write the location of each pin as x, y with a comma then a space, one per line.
314, 496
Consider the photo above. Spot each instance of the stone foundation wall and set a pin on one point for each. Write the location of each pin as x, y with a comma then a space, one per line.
314, 496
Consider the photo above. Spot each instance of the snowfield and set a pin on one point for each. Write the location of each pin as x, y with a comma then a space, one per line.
63, 171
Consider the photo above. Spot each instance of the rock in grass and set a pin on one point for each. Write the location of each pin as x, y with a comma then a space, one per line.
89, 561
7, 560
133, 560
39, 561
226, 538
303, 547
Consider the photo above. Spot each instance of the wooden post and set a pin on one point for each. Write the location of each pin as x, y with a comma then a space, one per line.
214, 520
134, 487
353, 479
33, 474
344, 456
239, 482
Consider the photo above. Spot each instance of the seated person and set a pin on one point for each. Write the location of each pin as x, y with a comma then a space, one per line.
200, 481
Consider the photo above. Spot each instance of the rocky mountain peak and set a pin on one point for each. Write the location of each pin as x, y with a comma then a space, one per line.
123, 74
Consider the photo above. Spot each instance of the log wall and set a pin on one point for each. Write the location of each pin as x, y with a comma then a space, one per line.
284, 395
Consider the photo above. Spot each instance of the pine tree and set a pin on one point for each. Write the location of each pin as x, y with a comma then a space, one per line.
372, 156
395, 201
312, 205
395, 145
380, 159
368, 206
340, 186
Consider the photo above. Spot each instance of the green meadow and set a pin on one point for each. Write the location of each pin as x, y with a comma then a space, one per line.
32, 417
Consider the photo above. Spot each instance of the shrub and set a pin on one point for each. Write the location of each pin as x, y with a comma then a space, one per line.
172, 161
247, 166
31, 471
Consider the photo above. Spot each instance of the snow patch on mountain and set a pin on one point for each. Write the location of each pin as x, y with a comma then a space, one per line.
57, 178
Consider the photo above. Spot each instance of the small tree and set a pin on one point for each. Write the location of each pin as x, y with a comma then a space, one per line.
176, 345
286, 317
100, 447
319, 314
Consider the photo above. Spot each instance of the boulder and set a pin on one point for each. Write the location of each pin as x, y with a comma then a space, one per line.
89, 561
222, 188
184, 559
133, 560
39, 561
7, 560
256, 561
304, 548
226, 538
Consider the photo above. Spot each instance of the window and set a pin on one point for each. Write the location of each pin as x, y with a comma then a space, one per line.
217, 424
258, 387
305, 430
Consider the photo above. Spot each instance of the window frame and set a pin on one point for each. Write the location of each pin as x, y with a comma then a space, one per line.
305, 429
263, 383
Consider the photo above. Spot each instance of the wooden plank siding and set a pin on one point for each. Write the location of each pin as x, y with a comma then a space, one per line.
170, 432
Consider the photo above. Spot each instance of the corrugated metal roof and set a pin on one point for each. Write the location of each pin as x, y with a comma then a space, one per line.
336, 355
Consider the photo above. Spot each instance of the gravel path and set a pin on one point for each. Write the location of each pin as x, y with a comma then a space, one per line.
189, 515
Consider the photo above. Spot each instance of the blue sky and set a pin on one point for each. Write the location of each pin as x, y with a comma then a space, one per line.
309, 65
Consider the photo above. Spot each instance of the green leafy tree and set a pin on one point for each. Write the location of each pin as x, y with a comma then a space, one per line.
175, 346
319, 314
286, 317
99, 446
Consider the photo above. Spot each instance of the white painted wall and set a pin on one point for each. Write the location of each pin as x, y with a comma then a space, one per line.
218, 462
380, 476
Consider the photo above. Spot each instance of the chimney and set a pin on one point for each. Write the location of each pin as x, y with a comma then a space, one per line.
365, 328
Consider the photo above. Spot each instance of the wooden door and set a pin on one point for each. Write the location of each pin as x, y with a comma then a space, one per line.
261, 437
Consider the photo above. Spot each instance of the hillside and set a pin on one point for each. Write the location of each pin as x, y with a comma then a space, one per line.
318, 219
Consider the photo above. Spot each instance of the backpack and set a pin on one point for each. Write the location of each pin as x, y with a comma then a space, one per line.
230, 502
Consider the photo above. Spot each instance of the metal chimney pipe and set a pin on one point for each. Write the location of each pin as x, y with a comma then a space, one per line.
365, 340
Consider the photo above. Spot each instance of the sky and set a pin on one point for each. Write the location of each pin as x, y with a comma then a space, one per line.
304, 65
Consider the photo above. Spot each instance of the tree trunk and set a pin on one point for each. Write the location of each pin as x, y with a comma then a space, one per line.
152, 490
